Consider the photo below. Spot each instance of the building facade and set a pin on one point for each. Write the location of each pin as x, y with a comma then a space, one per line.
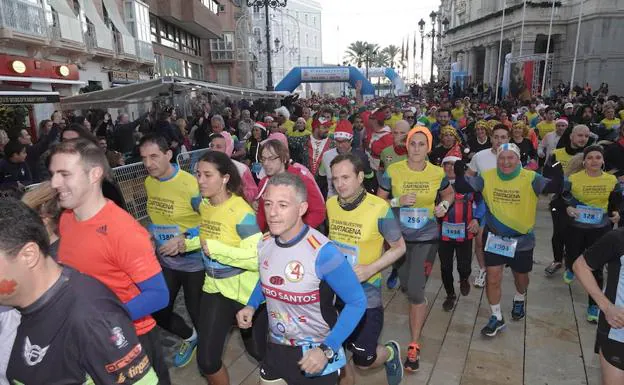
297, 30
63, 46
474, 33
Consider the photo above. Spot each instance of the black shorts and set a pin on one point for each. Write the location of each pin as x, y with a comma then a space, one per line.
612, 351
522, 262
363, 341
281, 363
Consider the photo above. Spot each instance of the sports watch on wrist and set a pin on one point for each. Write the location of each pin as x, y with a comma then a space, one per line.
329, 352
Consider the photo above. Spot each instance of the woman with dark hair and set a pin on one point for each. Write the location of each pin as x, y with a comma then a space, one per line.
229, 236
258, 135
592, 198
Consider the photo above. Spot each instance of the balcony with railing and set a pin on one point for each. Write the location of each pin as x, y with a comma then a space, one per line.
125, 45
24, 21
99, 39
144, 51
66, 31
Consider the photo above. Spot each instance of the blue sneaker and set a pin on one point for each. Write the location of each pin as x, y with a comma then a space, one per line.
592, 313
394, 367
517, 313
568, 276
185, 354
393, 279
493, 326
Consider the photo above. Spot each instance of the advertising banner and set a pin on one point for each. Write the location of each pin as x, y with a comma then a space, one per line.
337, 74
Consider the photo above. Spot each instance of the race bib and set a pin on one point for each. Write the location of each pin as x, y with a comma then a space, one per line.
589, 215
163, 233
350, 252
504, 246
454, 230
338, 361
414, 217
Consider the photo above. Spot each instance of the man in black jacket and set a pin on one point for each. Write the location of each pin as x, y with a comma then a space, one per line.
124, 133
35, 151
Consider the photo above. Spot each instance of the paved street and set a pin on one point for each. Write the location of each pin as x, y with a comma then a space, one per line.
553, 345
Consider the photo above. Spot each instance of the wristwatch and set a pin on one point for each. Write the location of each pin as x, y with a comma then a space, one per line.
329, 352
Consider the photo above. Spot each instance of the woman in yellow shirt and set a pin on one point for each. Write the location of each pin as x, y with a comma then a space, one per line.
421, 193
592, 199
229, 236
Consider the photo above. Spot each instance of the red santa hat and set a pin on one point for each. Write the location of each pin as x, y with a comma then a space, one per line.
453, 155
344, 130
260, 125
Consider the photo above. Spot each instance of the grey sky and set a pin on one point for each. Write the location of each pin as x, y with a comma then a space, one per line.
382, 22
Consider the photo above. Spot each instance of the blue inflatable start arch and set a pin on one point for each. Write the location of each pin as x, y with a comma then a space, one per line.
299, 75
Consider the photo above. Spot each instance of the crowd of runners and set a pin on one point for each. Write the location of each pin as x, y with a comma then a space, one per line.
284, 228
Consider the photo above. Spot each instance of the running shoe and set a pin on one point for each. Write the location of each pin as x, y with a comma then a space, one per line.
552, 269
413, 357
479, 280
517, 313
394, 368
449, 302
185, 354
464, 287
568, 276
493, 326
393, 279
592, 313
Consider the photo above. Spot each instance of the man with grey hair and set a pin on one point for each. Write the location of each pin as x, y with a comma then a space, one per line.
309, 351
245, 125
218, 127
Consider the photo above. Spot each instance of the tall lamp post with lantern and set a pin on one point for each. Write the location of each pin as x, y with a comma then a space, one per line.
432, 35
266, 4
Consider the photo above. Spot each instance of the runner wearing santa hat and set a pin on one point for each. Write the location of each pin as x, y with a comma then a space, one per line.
343, 137
458, 228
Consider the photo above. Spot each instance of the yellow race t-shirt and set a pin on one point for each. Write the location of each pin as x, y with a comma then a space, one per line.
562, 156
232, 235
171, 212
360, 233
512, 202
592, 191
457, 113
418, 222
545, 127
610, 123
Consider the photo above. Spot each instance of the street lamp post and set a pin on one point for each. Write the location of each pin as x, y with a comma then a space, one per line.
266, 4
433, 35
432, 15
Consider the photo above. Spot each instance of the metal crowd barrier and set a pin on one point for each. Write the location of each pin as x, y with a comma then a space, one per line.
188, 160
131, 181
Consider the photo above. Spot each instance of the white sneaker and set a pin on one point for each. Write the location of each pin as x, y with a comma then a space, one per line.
479, 280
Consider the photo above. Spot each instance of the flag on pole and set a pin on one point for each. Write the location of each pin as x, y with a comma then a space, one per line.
402, 50
406, 51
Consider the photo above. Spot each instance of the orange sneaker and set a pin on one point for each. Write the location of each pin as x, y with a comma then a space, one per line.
413, 357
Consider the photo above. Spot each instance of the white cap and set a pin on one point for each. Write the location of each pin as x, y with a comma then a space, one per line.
568, 105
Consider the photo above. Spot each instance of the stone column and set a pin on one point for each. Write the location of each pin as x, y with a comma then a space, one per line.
486, 65
493, 64
469, 61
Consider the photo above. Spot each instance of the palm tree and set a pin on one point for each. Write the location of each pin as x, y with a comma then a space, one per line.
355, 52
381, 59
392, 51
